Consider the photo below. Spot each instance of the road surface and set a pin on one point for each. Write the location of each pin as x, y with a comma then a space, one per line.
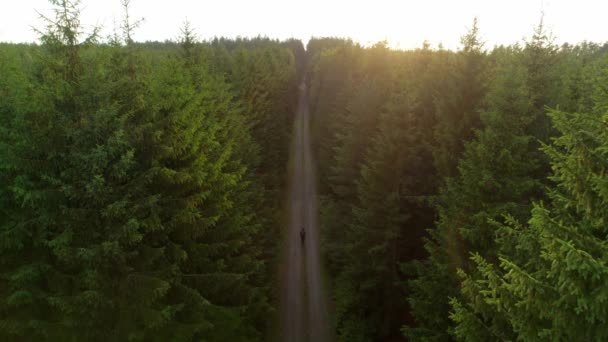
304, 307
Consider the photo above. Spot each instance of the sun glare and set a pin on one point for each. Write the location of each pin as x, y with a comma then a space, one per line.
404, 24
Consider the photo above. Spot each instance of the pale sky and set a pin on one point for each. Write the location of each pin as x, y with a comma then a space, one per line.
404, 23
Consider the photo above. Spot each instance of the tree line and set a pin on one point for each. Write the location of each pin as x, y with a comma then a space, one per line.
140, 183
464, 193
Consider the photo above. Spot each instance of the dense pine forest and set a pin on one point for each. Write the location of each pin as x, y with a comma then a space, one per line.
463, 194
141, 184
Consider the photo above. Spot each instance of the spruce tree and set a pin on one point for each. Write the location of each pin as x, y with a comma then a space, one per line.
128, 183
550, 282
494, 178
458, 102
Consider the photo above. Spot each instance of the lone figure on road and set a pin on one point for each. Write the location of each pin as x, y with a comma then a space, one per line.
302, 234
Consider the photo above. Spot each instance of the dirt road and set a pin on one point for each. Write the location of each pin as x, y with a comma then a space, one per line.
304, 307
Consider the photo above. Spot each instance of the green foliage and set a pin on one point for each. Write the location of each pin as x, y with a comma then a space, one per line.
442, 141
458, 101
552, 286
141, 186
374, 148
501, 172
129, 203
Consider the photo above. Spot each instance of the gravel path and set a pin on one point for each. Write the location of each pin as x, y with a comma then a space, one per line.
304, 306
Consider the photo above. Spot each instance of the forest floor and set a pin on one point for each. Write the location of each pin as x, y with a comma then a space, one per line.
303, 308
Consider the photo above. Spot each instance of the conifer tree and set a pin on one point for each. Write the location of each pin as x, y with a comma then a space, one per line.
500, 172
332, 74
51, 267
550, 284
391, 215
494, 178
458, 102
128, 186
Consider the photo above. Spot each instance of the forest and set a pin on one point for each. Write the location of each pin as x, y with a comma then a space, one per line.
139, 184
463, 193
